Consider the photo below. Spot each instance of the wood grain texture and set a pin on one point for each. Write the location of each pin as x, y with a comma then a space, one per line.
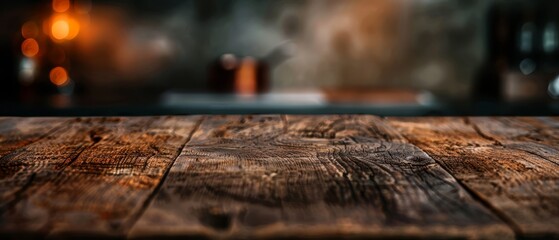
509, 163
310, 176
535, 135
18, 132
91, 176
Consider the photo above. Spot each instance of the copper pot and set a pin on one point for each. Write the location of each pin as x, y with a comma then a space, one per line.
246, 75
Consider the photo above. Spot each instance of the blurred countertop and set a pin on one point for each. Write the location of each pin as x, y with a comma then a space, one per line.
382, 102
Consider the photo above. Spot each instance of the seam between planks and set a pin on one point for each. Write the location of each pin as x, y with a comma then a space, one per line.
537, 155
510, 223
45, 135
21, 191
127, 226
483, 202
468, 122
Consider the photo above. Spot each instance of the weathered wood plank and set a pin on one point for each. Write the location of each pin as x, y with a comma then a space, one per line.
501, 160
538, 136
92, 176
18, 132
313, 176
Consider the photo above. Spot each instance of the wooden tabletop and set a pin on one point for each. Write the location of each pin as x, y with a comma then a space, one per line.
279, 176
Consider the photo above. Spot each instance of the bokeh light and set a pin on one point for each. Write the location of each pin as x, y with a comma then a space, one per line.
229, 61
29, 30
27, 71
30, 47
73, 30
60, 29
63, 27
58, 76
60, 5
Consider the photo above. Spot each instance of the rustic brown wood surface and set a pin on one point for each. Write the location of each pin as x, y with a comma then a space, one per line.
279, 177
268, 176
511, 164
16, 133
91, 176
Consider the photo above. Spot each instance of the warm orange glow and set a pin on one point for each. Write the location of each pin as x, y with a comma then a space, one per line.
29, 30
74, 29
60, 29
60, 5
245, 79
63, 27
58, 76
46, 27
30, 47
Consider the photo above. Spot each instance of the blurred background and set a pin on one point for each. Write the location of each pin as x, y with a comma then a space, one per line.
385, 57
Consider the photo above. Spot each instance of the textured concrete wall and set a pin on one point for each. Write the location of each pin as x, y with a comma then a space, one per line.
429, 44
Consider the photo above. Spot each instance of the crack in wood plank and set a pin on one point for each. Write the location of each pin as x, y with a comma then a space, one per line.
518, 179
473, 193
467, 121
28, 139
260, 176
156, 190
92, 189
247, 177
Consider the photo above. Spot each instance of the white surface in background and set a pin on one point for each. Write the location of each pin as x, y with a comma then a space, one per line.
302, 99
